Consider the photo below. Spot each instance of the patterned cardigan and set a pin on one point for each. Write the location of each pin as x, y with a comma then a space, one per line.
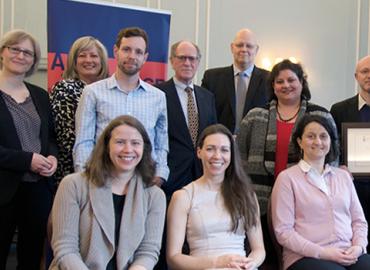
63, 101
257, 145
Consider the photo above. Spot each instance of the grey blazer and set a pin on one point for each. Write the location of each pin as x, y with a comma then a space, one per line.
83, 225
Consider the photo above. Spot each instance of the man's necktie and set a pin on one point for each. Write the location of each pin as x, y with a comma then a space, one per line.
241, 92
193, 123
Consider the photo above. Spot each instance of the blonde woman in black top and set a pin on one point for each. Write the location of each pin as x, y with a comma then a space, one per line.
27, 151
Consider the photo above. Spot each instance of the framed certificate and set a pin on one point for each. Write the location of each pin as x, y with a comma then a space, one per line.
356, 148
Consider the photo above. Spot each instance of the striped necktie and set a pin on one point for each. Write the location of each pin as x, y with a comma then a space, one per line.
193, 123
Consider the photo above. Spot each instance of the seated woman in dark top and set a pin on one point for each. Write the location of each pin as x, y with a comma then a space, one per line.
111, 216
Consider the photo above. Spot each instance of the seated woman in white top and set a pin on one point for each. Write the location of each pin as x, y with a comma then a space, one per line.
216, 211
316, 214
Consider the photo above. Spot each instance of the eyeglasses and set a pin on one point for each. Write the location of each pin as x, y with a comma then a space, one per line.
16, 51
247, 45
183, 58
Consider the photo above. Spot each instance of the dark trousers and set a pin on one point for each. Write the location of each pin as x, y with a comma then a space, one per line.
28, 211
363, 263
363, 192
271, 261
162, 262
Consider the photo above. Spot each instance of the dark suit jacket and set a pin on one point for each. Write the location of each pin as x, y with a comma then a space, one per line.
345, 111
182, 158
220, 81
14, 162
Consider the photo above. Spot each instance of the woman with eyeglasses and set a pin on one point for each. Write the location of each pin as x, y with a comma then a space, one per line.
87, 63
27, 151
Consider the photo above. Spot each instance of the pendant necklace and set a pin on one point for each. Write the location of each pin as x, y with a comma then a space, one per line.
289, 119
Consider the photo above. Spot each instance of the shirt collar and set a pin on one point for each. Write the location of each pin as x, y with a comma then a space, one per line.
247, 72
361, 102
181, 85
305, 167
113, 84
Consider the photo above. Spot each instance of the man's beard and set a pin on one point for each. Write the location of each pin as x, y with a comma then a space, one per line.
131, 71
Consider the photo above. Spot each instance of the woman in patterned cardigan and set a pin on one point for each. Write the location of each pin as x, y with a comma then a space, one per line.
264, 138
87, 63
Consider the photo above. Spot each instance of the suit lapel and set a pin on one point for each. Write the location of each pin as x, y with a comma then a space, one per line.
229, 86
175, 102
353, 113
201, 108
175, 108
252, 88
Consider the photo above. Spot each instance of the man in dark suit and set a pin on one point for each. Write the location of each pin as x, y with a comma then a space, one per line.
190, 109
357, 109
182, 158
232, 105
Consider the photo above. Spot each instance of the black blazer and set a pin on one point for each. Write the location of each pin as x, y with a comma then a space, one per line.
14, 162
221, 82
345, 111
182, 158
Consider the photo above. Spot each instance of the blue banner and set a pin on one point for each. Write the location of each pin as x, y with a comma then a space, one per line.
70, 19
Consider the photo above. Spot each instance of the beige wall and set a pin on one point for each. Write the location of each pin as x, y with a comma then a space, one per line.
326, 36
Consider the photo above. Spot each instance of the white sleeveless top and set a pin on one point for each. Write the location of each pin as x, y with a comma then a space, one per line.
208, 227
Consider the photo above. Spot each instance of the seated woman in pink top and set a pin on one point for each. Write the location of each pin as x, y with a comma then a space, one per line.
316, 213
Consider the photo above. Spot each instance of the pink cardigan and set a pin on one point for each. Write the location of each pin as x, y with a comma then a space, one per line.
306, 220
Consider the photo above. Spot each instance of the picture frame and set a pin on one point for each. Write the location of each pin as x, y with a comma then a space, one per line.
356, 148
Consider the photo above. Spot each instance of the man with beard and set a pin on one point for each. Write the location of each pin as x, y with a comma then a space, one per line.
357, 109
124, 93
240, 87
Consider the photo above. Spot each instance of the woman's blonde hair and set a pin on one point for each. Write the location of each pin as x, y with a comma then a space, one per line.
16, 36
82, 44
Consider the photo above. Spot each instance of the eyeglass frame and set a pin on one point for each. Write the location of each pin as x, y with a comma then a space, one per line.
17, 51
183, 58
